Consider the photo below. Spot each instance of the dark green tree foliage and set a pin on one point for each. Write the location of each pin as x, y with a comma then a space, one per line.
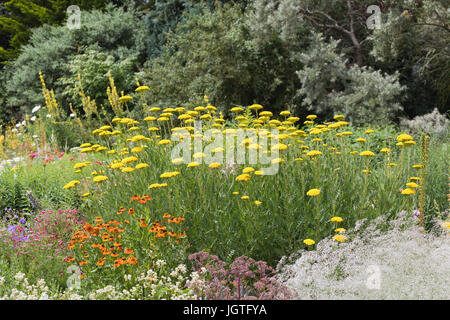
18, 17
115, 32
164, 16
213, 53
415, 40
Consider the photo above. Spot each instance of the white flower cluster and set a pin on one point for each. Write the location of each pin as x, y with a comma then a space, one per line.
404, 262
149, 285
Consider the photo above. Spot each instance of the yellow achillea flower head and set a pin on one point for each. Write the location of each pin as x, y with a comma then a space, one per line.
314, 153
404, 137
340, 238
100, 178
309, 242
243, 177
245, 197
367, 153
193, 164
313, 192
141, 165
408, 191
336, 219
169, 174
214, 165
412, 185
127, 169
248, 170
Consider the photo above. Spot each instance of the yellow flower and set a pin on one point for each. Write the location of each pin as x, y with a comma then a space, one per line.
236, 109
314, 153
100, 178
164, 141
259, 172
243, 177
155, 109
127, 169
85, 145
385, 150
141, 165
277, 160
80, 165
309, 242
412, 185
157, 185
391, 164
336, 219
214, 165
446, 225
340, 238
125, 99
129, 159
193, 164
85, 194
417, 166
117, 165
338, 117
285, 113
339, 230
408, 191
235, 193
169, 174
245, 197
361, 140
257, 202
137, 149
142, 88
369, 131
248, 170
311, 117
255, 107
367, 154
313, 192
404, 137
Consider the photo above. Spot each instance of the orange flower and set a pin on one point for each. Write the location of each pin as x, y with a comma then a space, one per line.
117, 244
131, 260
143, 224
131, 211
70, 259
100, 262
128, 251
82, 263
134, 198
117, 263
114, 255
166, 215
98, 220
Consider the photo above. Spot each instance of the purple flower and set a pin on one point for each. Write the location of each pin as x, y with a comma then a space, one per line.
22, 220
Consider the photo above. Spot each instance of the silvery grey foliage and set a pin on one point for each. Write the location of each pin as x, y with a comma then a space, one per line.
362, 94
431, 123
412, 264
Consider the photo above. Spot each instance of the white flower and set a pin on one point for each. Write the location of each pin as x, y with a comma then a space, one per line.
72, 115
18, 125
14, 130
35, 109
24, 122
33, 118
49, 116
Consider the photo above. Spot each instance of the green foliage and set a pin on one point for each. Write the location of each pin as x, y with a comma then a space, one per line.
18, 17
415, 40
213, 53
116, 32
94, 67
330, 87
13, 195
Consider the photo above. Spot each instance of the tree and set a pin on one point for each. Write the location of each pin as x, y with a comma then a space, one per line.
115, 32
18, 17
415, 39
